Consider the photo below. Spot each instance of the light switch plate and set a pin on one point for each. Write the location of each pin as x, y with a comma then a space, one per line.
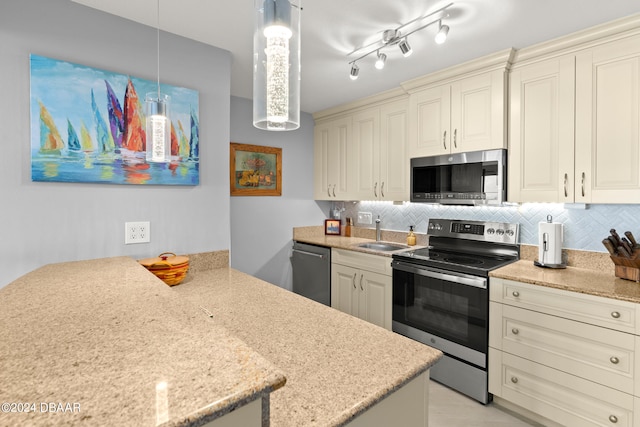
365, 218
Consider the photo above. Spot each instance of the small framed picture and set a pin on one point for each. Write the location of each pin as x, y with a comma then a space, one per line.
332, 227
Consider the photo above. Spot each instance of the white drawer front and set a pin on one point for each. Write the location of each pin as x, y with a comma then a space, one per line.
600, 311
561, 397
590, 352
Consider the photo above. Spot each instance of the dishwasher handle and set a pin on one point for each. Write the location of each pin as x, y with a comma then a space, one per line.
308, 253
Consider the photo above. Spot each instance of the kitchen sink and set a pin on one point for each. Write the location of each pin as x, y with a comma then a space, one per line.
382, 246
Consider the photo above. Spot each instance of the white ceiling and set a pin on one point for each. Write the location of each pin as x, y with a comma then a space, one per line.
333, 28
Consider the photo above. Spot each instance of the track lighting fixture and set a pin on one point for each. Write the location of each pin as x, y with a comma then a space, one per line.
405, 48
399, 36
354, 71
443, 30
382, 58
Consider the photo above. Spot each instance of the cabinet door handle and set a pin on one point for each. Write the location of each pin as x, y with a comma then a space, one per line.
444, 139
514, 380
614, 360
361, 276
455, 135
615, 314
329, 190
334, 190
375, 189
516, 294
582, 184
566, 177
515, 331
613, 419
354, 280
382, 189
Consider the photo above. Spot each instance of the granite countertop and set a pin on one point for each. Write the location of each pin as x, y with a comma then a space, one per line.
102, 335
336, 365
593, 282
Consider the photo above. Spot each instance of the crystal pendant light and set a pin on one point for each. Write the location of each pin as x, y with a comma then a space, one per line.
158, 122
276, 65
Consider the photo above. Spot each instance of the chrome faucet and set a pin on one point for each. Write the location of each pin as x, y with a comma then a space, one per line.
378, 233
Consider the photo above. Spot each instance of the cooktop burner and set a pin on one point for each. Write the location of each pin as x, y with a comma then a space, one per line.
463, 260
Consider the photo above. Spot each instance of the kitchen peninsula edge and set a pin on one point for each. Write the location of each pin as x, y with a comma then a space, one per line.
105, 333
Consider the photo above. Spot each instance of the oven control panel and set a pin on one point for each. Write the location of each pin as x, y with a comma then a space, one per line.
498, 232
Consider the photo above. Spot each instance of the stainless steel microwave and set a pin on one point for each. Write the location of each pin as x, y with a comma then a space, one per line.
473, 178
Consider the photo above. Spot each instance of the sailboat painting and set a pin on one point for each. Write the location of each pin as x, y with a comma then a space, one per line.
88, 125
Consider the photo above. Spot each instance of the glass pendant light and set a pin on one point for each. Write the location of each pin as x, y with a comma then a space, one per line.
158, 122
276, 65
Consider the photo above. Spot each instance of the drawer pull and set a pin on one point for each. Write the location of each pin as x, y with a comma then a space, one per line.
615, 314
613, 419
516, 294
515, 381
614, 360
515, 331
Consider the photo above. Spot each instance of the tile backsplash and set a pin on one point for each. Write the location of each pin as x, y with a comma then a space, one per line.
584, 226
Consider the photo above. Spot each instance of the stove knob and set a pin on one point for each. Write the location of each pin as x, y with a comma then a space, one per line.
500, 232
510, 233
431, 227
491, 231
438, 227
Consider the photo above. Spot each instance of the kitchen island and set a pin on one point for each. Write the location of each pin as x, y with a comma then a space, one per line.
122, 348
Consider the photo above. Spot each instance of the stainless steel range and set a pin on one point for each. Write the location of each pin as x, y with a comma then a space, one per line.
441, 296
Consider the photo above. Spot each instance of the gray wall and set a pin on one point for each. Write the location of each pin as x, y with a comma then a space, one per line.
43, 223
262, 227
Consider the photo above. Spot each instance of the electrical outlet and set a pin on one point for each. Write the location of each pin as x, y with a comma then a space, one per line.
137, 232
364, 218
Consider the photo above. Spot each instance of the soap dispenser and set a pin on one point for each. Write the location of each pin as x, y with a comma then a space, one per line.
411, 237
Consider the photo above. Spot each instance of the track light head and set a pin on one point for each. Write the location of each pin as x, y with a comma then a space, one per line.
405, 48
441, 37
355, 70
382, 58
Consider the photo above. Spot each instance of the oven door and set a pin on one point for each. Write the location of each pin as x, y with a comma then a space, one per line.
446, 310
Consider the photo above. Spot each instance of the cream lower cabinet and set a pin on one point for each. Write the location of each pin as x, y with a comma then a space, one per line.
361, 286
566, 357
575, 124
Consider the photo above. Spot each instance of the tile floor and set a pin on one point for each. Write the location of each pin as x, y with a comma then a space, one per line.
448, 408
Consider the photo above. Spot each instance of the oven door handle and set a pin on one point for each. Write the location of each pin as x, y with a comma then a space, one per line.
463, 279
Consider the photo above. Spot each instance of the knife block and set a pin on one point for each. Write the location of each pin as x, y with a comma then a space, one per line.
628, 268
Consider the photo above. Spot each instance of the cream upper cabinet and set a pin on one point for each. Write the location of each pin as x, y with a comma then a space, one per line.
608, 123
394, 159
464, 115
380, 167
331, 142
365, 154
575, 125
541, 153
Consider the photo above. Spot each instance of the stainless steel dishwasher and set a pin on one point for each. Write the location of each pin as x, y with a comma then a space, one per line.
312, 271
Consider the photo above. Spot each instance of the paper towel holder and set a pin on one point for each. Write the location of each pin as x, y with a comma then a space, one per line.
547, 265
